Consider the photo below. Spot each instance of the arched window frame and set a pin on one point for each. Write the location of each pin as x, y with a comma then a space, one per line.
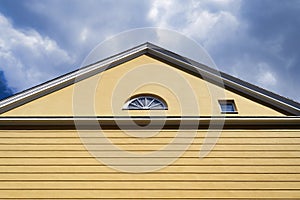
145, 102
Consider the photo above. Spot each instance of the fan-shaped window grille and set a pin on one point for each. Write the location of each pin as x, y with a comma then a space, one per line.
145, 103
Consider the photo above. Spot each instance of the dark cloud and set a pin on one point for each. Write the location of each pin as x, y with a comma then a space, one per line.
265, 48
5, 91
21, 16
65, 21
275, 24
268, 19
255, 40
54, 36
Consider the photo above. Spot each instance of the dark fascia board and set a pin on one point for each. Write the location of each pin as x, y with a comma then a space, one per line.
141, 122
275, 101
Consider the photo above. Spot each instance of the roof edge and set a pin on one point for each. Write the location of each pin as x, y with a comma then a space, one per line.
282, 103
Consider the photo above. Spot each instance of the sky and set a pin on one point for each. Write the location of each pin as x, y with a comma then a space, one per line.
255, 40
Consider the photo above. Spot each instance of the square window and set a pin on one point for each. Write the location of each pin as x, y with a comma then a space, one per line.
227, 106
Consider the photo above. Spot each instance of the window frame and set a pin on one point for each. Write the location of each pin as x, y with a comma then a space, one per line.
155, 98
228, 102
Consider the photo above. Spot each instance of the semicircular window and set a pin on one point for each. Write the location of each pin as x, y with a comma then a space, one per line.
145, 103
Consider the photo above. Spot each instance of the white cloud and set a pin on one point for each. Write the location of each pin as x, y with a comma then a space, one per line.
208, 22
256, 72
265, 76
27, 58
194, 18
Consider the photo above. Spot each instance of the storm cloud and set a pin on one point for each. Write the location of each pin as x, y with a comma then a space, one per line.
257, 40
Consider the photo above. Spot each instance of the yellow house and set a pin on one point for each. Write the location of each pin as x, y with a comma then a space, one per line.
149, 124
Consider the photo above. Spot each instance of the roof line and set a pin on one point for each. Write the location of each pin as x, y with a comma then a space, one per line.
67, 79
260, 94
283, 103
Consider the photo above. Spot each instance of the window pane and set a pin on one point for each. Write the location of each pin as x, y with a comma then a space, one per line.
227, 107
145, 103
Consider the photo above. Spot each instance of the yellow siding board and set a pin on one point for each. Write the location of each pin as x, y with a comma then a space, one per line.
148, 148
139, 185
73, 169
90, 174
128, 141
139, 194
164, 133
187, 154
150, 161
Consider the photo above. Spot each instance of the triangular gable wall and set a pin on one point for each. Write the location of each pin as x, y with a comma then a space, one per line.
55, 98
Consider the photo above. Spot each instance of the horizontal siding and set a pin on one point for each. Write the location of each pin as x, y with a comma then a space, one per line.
185, 164
94, 174
165, 133
53, 164
188, 154
150, 141
151, 185
147, 193
136, 147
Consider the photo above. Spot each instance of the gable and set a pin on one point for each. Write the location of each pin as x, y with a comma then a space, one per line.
105, 93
